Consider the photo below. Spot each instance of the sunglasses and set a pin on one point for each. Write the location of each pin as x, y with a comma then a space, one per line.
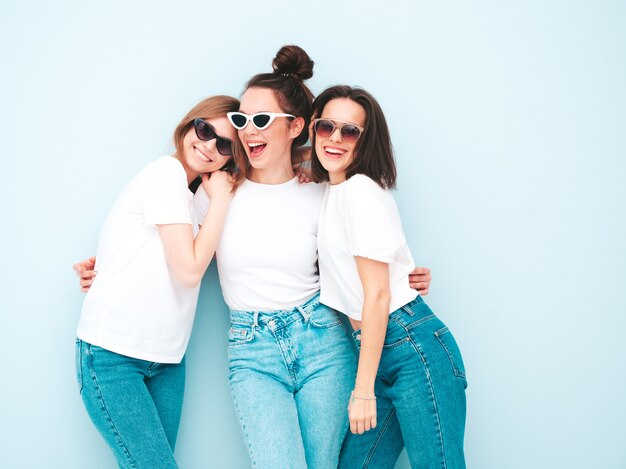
206, 132
324, 128
261, 120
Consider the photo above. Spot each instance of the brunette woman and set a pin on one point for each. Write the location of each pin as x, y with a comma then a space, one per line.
410, 384
291, 362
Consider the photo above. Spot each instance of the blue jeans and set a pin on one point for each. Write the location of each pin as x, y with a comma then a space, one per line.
134, 404
291, 373
420, 388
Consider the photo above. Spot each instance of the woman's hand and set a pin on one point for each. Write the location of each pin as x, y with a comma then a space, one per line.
303, 166
304, 175
86, 274
419, 280
362, 413
218, 185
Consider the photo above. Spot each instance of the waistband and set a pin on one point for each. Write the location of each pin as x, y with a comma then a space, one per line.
398, 318
259, 318
408, 309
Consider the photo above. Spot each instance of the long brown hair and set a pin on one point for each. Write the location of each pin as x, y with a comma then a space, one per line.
373, 153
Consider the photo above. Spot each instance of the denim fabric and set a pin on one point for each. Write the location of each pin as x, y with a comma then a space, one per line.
135, 404
291, 373
420, 388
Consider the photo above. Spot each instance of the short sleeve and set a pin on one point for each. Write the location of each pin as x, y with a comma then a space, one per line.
165, 196
373, 225
201, 204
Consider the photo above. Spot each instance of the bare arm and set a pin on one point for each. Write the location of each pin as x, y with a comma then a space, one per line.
188, 258
374, 277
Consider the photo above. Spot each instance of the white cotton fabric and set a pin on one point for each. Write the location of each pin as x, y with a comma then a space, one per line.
267, 257
359, 218
135, 307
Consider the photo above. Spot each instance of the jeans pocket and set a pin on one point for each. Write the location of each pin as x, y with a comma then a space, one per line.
446, 339
239, 335
324, 317
396, 335
79, 364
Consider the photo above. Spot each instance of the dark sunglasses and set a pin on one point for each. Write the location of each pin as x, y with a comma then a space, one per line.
206, 132
350, 132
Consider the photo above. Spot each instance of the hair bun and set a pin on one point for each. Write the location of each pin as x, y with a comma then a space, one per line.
293, 61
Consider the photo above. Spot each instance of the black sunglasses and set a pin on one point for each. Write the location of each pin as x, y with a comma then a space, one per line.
206, 132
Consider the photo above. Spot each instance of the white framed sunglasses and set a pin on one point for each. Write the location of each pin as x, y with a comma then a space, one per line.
261, 120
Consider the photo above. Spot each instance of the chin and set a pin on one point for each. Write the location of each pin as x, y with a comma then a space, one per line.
256, 164
334, 166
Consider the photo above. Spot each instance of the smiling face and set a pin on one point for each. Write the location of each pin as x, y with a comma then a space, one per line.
268, 150
201, 156
333, 152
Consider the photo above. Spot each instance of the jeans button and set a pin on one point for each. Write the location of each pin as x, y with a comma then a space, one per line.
272, 323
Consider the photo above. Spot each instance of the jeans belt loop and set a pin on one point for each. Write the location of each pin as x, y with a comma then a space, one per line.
304, 314
255, 322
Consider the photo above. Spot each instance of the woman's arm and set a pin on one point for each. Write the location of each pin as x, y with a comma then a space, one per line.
374, 277
188, 258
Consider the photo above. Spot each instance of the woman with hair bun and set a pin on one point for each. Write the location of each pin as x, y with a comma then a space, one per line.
410, 384
291, 362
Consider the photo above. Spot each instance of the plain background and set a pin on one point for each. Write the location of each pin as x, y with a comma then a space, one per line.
509, 125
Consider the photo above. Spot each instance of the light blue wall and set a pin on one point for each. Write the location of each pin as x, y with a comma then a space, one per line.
509, 122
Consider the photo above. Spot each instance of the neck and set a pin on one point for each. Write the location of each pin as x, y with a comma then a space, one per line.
273, 175
336, 177
191, 175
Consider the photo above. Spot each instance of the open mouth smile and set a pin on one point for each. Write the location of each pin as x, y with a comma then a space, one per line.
256, 148
334, 152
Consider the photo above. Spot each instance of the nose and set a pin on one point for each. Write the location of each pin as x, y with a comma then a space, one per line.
335, 136
249, 129
210, 145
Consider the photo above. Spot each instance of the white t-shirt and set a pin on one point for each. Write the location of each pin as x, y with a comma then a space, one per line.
359, 218
134, 307
267, 255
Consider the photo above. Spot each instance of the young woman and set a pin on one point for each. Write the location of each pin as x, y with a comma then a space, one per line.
137, 316
291, 364
410, 384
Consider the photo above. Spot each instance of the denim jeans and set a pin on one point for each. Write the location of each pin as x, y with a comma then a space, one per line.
291, 373
135, 404
420, 388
